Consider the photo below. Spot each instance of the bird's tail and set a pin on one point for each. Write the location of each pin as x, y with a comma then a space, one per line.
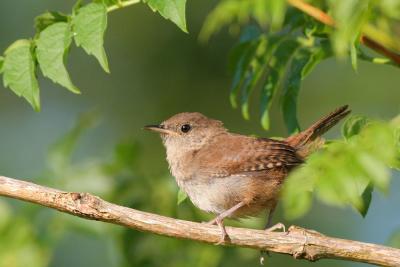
309, 140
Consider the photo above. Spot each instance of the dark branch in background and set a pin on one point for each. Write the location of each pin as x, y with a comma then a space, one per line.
298, 242
328, 20
380, 49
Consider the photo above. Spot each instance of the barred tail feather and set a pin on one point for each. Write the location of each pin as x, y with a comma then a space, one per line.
308, 140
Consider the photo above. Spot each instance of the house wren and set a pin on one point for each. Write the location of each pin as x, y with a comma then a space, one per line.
233, 175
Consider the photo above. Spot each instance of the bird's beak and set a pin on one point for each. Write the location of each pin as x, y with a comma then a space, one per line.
158, 128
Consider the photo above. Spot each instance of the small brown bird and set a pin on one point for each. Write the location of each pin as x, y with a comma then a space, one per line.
233, 175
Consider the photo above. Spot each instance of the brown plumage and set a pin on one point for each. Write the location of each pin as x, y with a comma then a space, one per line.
234, 175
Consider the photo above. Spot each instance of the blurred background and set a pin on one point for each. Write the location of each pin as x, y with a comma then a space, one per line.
94, 142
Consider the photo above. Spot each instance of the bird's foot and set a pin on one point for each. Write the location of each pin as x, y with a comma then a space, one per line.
264, 253
212, 222
224, 235
278, 226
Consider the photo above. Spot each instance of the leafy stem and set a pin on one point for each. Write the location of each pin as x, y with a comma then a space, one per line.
371, 37
55, 32
122, 4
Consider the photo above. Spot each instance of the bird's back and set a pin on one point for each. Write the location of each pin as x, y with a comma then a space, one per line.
234, 154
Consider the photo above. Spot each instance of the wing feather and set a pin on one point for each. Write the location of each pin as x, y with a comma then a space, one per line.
241, 155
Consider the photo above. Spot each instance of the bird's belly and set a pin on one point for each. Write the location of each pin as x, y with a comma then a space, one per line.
219, 194
209, 196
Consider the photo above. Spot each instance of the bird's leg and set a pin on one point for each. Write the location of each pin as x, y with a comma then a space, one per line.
270, 228
224, 235
219, 220
269, 220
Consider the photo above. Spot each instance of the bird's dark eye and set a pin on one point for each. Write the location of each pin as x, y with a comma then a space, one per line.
186, 128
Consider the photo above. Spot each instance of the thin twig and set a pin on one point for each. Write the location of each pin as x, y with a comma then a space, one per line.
298, 242
324, 18
312, 11
380, 49
122, 4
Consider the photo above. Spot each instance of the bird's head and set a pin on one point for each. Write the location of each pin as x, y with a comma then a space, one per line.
187, 131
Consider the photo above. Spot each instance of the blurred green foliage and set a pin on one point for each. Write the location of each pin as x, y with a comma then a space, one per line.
394, 240
287, 44
347, 170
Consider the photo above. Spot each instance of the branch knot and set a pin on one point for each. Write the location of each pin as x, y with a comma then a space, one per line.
86, 205
305, 250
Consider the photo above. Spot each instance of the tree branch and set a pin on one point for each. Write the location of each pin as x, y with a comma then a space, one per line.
328, 20
299, 242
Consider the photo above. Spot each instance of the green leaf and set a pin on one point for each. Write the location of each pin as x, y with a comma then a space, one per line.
291, 89
173, 10
250, 33
345, 172
353, 125
236, 54
260, 11
350, 16
366, 200
375, 169
48, 18
78, 4
108, 2
319, 53
227, 12
354, 48
52, 46
89, 26
254, 74
257, 67
267, 94
296, 19
378, 139
240, 59
181, 196
246, 90
390, 8
20, 73
277, 65
235, 13
353, 56
297, 192
276, 12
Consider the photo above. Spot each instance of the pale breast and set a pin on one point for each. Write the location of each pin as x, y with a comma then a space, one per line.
215, 195
219, 194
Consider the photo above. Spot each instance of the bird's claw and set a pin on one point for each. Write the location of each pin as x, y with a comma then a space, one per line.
262, 256
212, 222
224, 235
278, 226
